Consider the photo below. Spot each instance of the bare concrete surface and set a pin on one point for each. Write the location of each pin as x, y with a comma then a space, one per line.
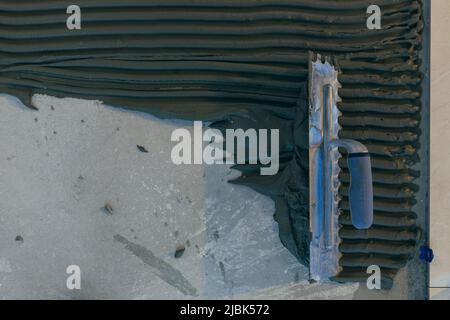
62, 165
59, 167
440, 153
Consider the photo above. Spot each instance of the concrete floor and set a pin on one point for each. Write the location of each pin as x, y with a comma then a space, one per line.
62, 164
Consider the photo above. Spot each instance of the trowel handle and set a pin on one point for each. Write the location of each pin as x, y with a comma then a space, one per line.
361, 190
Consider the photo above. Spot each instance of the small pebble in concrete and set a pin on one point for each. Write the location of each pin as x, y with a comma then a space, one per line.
108, 208
19, 239
142, 149
179, 251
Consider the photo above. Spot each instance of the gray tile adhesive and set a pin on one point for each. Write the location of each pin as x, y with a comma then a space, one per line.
245, 64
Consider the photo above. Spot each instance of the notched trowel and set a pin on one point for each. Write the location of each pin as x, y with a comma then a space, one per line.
324, 154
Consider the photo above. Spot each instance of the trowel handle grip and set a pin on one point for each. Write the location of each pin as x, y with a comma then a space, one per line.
361, 190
